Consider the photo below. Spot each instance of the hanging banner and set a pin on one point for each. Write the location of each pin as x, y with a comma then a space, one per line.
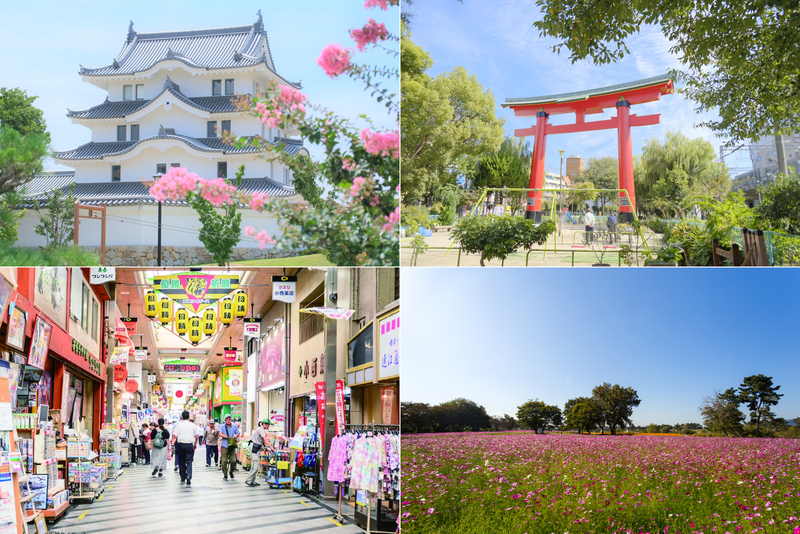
389, 346
120, 373
271, 364
252, 327
340, 421
230, 353
196, 291
330, 313
120, 330
235, 382
151, 378
284, 288
139, 353
387, 402
130, 325
320, 389
181, 367
120, 354
40, 343
101, 275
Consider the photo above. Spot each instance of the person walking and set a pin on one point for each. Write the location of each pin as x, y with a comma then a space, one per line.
612, 226
147, 446
186, 443
589, 218
257, 442
133, 442
211, 437
228, 435
160, 439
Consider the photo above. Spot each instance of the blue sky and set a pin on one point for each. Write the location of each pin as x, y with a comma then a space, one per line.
44, 42
497, 42
503, 336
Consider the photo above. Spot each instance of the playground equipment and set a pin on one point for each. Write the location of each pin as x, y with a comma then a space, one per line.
556, 200
581, 103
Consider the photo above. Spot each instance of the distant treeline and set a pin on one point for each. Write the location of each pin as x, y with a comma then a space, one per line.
610, 408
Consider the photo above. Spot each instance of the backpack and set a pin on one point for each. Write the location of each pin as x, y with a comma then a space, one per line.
158, 441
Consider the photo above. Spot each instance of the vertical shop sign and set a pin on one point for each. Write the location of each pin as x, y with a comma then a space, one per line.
40, 343
389, 346
284, 288
320, 388
230, 354
388, 400
140, 353
340, 422
131, 324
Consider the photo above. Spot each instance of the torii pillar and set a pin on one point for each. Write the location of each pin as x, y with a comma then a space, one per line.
582, 103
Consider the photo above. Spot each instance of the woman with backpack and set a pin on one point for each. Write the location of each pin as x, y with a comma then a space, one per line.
160, 440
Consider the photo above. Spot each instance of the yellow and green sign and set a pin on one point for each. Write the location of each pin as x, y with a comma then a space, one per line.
196, 291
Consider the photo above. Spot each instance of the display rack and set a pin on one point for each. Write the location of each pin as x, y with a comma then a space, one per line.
110, 449
83, 482
276, 466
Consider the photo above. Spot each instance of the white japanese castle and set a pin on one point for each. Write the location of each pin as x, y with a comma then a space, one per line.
169, 97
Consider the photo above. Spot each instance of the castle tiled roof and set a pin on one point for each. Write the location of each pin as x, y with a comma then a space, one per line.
212, 48
94, 150
127, 193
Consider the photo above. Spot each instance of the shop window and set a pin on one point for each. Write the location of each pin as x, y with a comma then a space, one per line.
85, 308
95, 320
312, 324
360, 349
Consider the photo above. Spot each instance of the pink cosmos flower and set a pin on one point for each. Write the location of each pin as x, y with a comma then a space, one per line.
381, 143
334, 59
369, 34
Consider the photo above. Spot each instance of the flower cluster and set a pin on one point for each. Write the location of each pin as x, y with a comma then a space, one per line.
383, 4
349, 164
392, 220
369, 34
261, 237
269, 116
334, 59
258, 199
381, 143
175, 185
287, 103
217, 191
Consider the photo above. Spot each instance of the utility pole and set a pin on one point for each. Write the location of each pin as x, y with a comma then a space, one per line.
779, 148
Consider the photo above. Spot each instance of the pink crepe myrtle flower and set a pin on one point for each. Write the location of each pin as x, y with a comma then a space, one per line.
217, 191
349, 164
383, 4
381, 143
358, 183
174, 185
260, 237
391, 221
257, 202
334, 59
371, 33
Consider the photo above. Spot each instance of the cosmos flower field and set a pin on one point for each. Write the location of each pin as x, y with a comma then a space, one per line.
542, 484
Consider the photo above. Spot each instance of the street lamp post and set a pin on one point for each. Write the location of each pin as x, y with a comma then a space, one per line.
156, 177
561, 177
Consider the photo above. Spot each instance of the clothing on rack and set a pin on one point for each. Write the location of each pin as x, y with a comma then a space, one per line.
370, 461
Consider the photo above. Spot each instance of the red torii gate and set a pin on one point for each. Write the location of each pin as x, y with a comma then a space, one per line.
581, 103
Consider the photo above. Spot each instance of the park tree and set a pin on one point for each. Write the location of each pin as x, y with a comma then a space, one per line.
18, 113
778, 207
586, 415
509, 166
579, 195
758, 393
21, 158
535, 414
678, 152
738, 58
416, 417
443, 117
461, 414
616, 404
601, 173
57, 217
721, 412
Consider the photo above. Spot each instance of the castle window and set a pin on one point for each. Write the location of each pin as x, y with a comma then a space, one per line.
222, 169
121, 133
287, 176
211, 129
216, 87
127, 92
161, 168
229, 87
116, 172
140, 92
174, 164
226, 126
134, 132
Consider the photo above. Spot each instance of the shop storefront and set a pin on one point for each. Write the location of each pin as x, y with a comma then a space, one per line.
271, 374
227, 392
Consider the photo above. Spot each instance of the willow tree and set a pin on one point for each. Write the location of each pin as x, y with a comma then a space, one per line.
678, 153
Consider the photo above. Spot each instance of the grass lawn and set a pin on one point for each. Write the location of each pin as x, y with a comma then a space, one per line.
312, 260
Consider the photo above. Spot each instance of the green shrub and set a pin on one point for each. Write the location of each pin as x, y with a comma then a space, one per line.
56, 256
499, 236
656, 225
448, 216
778, 209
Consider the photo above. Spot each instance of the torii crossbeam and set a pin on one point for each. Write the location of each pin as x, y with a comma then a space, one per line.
582, 103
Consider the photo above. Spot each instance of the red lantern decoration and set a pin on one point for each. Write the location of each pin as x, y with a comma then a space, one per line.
120, 373
179, 394
131, 385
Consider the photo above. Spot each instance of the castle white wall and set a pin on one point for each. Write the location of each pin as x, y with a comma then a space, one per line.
138, 225
190, 84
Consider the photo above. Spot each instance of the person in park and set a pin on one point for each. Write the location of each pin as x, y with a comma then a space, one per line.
211, 437
160, 439
228, 435
612, 226
185, 434
589, 219
257, 442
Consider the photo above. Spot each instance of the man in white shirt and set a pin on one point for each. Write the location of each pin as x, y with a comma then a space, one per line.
185, 433
589, 218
